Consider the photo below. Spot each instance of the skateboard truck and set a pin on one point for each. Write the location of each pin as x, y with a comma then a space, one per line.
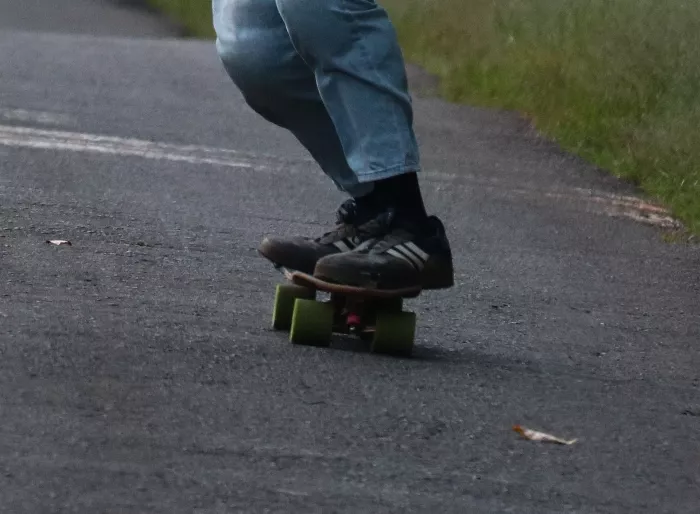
368, 313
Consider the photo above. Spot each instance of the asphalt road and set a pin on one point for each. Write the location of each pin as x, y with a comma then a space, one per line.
138, 372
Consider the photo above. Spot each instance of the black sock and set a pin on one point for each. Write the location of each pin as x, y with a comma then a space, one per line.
402, 192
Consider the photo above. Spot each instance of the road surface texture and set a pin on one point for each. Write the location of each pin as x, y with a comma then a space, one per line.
138, 372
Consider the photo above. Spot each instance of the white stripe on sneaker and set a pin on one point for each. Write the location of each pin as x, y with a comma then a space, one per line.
401, 256
417, 263
342, 246
417, 251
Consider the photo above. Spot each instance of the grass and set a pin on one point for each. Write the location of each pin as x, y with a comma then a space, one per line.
615, 81
194, 15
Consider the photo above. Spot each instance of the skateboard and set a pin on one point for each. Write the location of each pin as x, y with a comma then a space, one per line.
373, 315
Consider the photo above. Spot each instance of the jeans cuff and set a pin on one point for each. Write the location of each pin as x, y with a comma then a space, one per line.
392, 171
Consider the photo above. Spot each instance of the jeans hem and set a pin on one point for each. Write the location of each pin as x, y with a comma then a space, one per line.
392, 171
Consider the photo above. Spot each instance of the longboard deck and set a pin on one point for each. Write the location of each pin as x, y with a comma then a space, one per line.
303, 279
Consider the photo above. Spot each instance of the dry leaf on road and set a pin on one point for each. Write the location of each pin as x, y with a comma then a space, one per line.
534, 435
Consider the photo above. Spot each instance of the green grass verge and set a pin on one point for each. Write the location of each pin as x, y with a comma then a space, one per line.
194, 15
615, 81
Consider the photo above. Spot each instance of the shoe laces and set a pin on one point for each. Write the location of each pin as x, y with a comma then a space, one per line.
377, 231
384, 232
346, 223
390, 230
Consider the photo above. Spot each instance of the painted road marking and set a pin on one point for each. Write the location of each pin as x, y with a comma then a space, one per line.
27, 137
40, 117
24, 137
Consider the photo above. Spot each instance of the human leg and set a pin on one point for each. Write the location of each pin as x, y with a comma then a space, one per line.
258, 55
351, 47
332, 73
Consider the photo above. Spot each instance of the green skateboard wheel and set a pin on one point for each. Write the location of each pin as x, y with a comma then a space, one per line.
394, 333
312, 323
285, 296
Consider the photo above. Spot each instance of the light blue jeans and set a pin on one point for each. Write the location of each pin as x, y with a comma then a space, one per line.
332, 73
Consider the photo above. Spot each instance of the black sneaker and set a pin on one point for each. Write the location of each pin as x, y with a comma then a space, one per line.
408, 254
355, 225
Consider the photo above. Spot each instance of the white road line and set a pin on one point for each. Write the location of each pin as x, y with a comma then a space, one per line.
41, 117
27, 137
78, 142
